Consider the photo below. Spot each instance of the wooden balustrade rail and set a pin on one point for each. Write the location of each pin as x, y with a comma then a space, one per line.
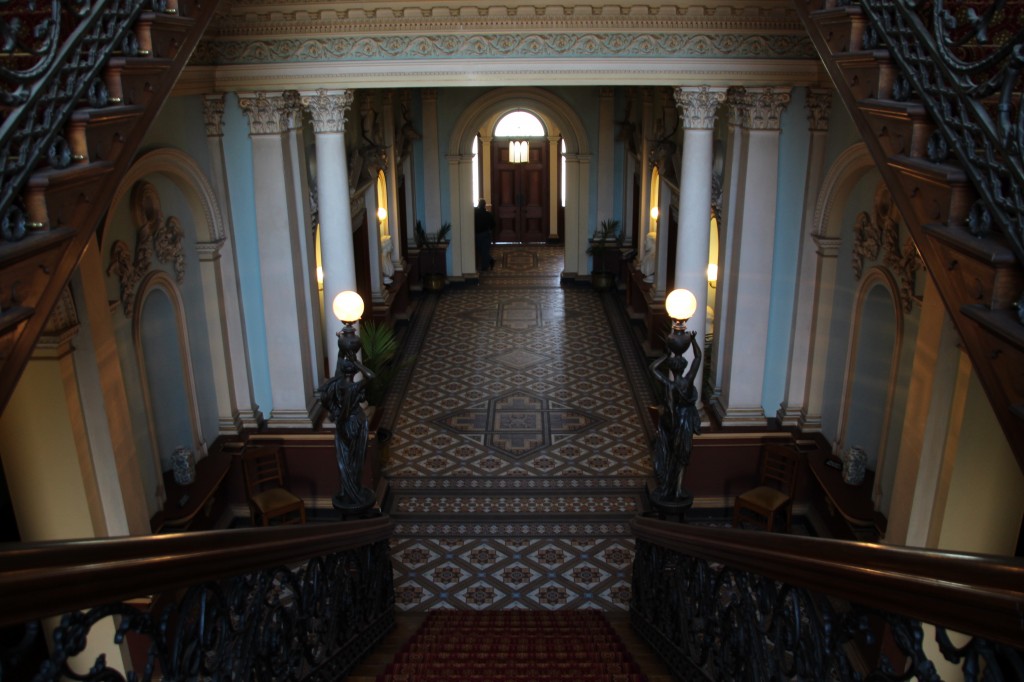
49, 578
976, 594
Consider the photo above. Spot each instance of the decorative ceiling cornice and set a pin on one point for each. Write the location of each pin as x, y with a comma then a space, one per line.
477, 46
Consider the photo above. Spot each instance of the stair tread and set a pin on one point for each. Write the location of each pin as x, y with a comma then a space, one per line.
1002, 323
991, 249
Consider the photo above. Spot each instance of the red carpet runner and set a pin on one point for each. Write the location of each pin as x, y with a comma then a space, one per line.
500, 646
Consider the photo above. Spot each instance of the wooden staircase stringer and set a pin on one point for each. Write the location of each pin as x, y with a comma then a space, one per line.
978, 282
86, 189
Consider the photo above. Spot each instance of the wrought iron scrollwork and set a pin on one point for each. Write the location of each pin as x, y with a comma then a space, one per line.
311, 622
53, 54
709, 621
965, 62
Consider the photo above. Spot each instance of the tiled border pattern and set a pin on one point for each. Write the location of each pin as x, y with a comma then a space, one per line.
506, 573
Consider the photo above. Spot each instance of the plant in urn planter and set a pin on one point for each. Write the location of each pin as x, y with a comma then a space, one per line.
604, 248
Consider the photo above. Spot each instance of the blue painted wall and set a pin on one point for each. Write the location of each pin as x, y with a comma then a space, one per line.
794, 142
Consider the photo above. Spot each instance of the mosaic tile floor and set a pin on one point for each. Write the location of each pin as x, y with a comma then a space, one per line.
518, 452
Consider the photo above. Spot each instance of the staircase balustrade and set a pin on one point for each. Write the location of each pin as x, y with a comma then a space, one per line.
51, 61
281, 603
963, 61
724, 604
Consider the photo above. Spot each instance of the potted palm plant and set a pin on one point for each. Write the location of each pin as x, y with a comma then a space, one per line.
606, 252
433, 255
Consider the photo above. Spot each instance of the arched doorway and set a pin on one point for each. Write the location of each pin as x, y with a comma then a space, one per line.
520, 172
562, 123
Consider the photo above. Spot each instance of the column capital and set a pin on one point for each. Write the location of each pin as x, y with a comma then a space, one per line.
268, 115
209, 251
763, 108
735, 102
213, 114
818, 105
828, 247
328, 108
698, 105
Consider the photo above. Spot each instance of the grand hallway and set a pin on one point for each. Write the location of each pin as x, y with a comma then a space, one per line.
519, 452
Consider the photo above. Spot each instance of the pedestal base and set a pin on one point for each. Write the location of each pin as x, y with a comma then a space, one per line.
667, 508
349, 507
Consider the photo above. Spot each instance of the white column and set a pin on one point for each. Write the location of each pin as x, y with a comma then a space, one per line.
818, 105
230, 350
697, 108
750, 269
327, 109
575, 257
732, 188
605, 153
554, 187
646, 125
578, 193
301, 216
431, 162
281, 275
484, 159
463, 246
391, 178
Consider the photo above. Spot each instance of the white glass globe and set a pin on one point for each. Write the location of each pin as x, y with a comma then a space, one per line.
348, 306
681, 304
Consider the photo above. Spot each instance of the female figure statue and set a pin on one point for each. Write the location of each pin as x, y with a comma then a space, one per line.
680, 418
342, 396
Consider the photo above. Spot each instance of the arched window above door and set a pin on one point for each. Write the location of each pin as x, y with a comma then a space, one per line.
519, 124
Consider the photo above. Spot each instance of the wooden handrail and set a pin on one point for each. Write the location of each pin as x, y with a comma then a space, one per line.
49, 578
971, 593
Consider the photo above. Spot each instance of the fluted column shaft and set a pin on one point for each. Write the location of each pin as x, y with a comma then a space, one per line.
697, 109
327, 109
281, 257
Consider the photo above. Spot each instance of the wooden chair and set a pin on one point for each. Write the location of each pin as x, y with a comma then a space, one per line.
775, 492
264, 484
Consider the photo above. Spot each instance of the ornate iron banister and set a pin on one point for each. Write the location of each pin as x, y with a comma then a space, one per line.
289, 602
965, 65
62, 67
732, 604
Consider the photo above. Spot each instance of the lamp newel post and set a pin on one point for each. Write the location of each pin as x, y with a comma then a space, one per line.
679, 418
342, 396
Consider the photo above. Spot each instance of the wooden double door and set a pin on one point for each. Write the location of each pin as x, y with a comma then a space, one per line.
519, 194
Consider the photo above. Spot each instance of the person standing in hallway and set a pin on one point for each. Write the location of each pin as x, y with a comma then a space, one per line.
483, 226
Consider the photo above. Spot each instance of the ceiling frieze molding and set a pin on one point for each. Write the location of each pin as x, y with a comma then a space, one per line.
218, 51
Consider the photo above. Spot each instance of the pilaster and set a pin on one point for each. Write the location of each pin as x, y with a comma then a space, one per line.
749, 269
230, 351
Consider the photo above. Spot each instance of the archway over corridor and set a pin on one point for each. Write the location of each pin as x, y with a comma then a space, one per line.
561, 122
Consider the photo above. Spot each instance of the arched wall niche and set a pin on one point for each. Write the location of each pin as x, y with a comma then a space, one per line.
869, 386
160, 338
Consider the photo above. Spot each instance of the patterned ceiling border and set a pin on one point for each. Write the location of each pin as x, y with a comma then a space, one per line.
218, 52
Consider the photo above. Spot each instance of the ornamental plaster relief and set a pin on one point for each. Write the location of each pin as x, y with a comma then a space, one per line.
562, 45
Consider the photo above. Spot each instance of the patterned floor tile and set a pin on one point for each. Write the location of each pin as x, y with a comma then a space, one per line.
520, 446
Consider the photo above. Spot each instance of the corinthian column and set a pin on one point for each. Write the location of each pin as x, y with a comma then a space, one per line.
337, 253
697, 107
749, 265
282, 258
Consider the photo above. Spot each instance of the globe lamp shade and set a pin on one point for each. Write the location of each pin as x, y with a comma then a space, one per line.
681, 304
348, 306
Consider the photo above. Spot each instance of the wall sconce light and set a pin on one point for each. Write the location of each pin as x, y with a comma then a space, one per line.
712, 275
342, 396
655, 213
320, 276
518, 151
382, 214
